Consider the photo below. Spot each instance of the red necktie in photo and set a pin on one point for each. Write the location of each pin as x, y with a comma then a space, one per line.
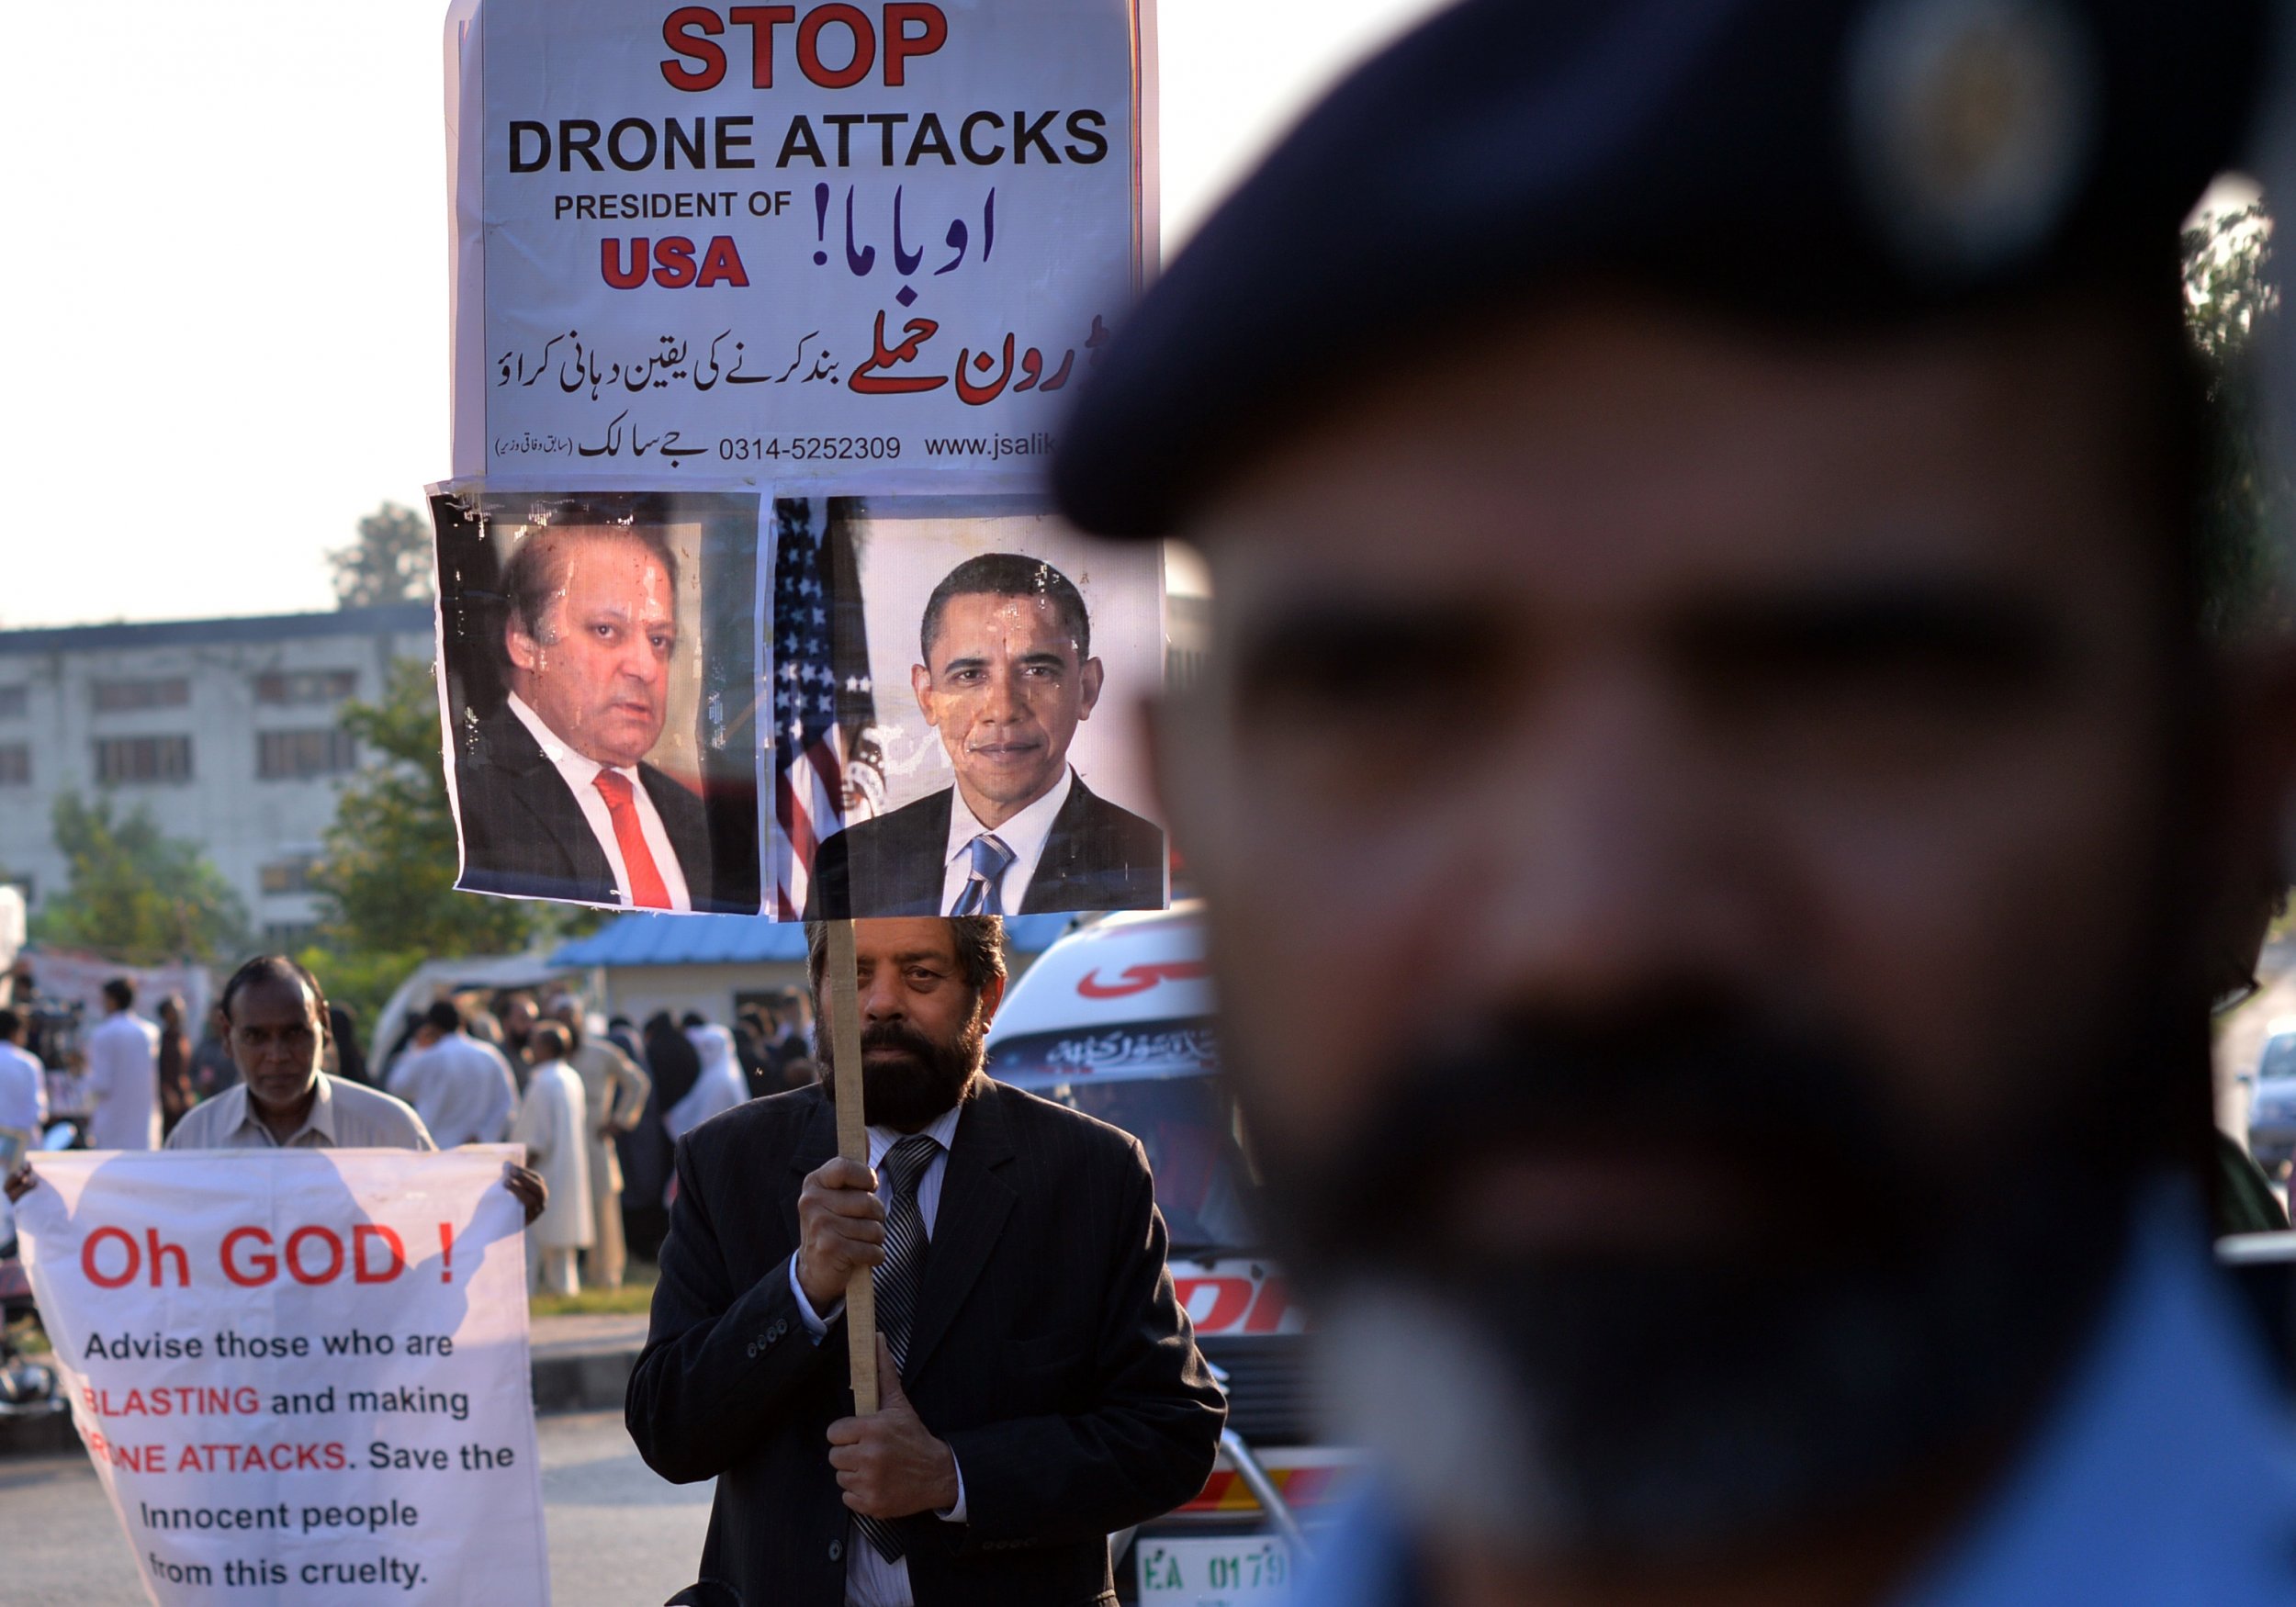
647, 890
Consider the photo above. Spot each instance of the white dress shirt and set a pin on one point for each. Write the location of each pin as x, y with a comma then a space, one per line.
343, 1116
123, 1080
461, 1088
554, 1124
1024, 834
22, 1090
582, 778
870, 1579
24, 1106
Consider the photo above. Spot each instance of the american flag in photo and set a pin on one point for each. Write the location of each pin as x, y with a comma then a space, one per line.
825, 770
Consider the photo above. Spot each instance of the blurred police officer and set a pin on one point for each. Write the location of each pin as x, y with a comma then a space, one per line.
1700, 498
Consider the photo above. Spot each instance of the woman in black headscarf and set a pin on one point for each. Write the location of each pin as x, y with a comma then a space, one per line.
647, 1155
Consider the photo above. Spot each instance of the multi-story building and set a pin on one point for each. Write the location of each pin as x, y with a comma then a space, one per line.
226, 728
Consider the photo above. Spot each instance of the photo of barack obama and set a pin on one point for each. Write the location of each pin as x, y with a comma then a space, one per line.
1005, 676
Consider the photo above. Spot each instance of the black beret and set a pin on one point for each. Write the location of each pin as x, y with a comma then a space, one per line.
1819, 162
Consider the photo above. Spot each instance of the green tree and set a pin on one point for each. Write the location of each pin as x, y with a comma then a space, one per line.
135, 894
2231, 311
386, 877
390, 562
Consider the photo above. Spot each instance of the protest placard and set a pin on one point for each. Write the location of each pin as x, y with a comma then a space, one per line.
848, 244
801, 250
301, 1375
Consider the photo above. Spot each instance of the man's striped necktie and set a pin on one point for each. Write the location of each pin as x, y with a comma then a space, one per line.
898, 1283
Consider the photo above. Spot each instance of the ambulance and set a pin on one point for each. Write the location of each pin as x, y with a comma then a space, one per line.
1116, 1020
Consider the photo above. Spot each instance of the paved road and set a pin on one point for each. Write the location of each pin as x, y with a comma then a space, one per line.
619, 1536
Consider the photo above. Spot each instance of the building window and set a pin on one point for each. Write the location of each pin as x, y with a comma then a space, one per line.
288, 937
16, 764
293, 755
14, 702
306, 686
124, 759
116, 697
288, 875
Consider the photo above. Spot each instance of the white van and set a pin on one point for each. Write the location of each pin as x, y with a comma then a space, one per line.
1115, 1019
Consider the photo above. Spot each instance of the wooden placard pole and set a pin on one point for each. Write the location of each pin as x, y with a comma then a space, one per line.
852, 1143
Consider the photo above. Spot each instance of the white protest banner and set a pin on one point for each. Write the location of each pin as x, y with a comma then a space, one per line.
301, 1375
852, 245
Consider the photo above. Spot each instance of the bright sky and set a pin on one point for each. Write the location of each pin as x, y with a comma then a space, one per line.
227, 285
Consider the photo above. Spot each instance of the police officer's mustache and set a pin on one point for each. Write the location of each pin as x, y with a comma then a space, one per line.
1885, 1290
1791, 1116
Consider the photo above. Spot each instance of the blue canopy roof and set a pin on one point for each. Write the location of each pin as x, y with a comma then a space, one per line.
645, 939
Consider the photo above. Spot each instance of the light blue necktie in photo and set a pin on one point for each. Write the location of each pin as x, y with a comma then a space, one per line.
983, 894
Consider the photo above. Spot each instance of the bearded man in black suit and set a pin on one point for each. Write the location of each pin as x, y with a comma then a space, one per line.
553, 791
1041, 1386
1007, 676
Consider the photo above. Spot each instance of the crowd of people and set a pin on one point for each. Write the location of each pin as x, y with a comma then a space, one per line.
597, 1104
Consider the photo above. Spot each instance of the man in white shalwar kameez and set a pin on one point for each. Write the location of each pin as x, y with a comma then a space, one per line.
553, 1125
615, 1089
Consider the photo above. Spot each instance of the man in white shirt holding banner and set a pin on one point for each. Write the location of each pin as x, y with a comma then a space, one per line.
284, 1100
346, 1311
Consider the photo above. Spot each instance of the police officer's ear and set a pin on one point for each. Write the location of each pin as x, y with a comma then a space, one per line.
1157, 718
1182, 734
